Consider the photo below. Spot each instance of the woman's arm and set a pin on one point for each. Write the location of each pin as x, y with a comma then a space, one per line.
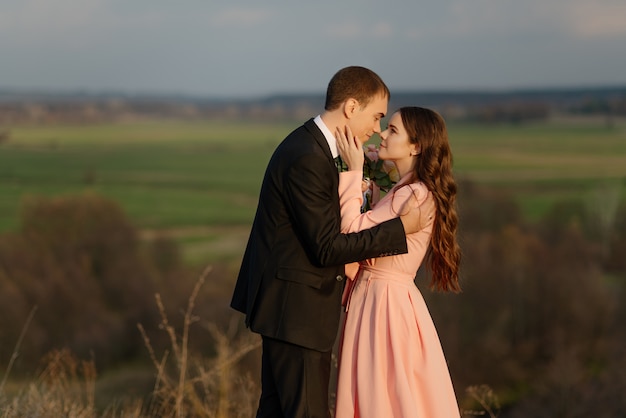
351, 199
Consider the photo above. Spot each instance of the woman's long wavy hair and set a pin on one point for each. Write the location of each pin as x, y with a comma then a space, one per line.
434, 168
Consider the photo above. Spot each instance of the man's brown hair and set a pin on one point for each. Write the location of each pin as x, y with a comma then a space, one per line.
354, 82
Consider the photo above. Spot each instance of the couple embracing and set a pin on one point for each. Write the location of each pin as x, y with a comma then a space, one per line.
299, 265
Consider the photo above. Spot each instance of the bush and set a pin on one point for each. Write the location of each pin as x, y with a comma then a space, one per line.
79, 260
537, 303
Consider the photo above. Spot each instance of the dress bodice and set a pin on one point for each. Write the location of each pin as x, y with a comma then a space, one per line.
390, 206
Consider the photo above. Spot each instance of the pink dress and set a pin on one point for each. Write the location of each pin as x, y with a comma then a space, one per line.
391, 364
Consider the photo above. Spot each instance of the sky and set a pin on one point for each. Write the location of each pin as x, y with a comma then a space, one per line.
230, 48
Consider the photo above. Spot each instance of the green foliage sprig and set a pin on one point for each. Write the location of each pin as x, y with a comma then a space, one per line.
383, 173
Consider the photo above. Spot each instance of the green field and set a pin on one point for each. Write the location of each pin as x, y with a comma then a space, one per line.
199, 181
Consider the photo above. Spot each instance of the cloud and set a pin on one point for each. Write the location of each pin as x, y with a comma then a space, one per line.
357, 30
241, 17
382, 30
480, 16
581, 18
598, 19
41, 14
71, 24
34, 23
345, 31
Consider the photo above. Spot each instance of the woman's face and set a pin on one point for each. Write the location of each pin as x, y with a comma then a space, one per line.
395, 144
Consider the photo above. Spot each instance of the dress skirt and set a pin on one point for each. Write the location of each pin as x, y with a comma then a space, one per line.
391, 363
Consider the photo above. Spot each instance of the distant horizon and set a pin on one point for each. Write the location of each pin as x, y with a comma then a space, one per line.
128, 93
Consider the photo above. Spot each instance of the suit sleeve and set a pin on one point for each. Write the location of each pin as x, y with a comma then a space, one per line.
312, 200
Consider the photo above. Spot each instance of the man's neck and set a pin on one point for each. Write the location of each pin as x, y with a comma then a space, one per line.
333, 120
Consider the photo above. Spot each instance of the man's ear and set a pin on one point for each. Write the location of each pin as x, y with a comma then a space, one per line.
350, 107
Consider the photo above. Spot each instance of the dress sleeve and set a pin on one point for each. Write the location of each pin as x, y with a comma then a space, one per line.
351, 199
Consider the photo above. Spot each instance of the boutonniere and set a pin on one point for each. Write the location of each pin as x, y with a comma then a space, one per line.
383, 174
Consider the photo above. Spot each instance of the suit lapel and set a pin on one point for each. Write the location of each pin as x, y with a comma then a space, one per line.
312, 127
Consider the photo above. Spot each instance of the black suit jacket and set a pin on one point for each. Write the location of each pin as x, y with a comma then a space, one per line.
291, 277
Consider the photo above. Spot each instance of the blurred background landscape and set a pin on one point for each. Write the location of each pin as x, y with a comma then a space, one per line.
133, 141
107, 201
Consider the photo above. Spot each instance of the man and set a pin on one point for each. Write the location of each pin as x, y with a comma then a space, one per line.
292, 274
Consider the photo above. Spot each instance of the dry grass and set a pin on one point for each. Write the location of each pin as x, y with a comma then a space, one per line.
65, 388
185, 386
486, 399
16, 350
201, 388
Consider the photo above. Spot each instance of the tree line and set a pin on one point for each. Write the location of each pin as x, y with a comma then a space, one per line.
480, 106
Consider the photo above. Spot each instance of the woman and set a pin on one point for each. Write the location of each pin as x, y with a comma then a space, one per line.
391, 363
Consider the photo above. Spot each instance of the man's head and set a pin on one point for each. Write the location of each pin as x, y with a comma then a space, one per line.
361, 96
357, 83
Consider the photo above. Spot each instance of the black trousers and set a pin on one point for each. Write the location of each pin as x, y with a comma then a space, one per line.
294, 381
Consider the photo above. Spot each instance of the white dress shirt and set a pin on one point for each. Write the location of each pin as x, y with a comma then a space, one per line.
330, 138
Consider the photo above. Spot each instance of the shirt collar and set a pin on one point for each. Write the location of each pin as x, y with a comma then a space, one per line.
330, 138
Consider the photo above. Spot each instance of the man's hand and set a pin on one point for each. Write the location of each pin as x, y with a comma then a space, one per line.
416, 217
350, 148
